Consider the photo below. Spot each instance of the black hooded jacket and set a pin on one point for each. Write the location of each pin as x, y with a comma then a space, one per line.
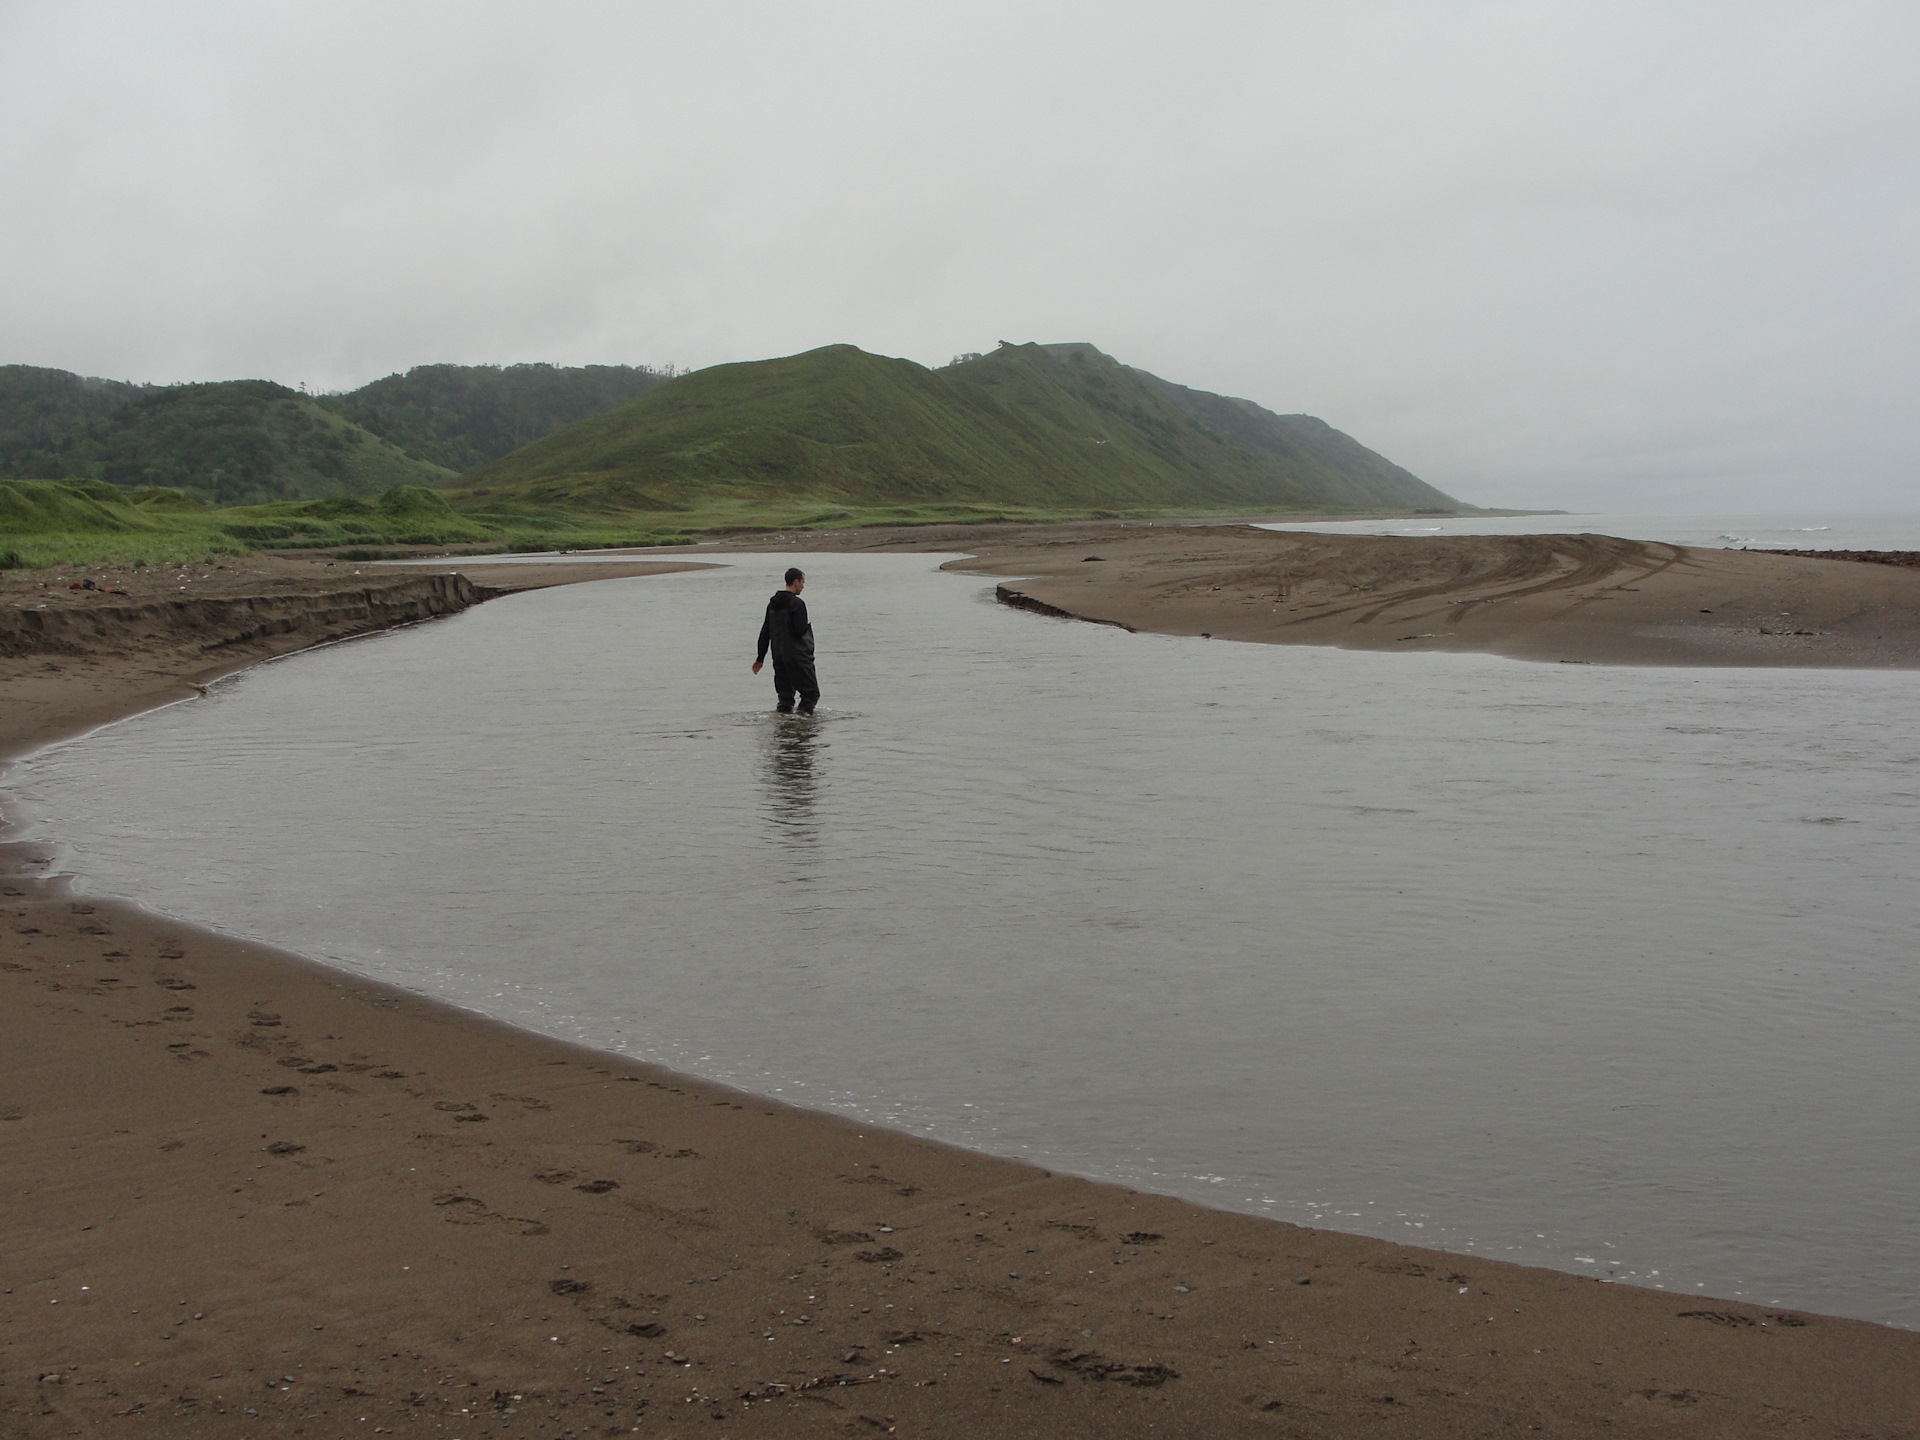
786, 630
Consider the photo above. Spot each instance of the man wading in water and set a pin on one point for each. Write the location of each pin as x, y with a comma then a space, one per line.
789, 635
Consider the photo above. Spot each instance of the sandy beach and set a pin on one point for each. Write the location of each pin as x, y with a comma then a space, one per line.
1576, 598
248, 1194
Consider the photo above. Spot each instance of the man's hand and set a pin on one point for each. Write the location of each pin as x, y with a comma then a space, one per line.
756, 666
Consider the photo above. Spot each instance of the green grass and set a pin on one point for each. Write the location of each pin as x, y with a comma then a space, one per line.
66, 522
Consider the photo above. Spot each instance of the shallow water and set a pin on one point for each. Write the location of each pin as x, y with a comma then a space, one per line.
1811, 531
1602, 968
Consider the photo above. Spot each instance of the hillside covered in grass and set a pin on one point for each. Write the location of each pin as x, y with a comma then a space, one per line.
462, 416
1041, 429
233, 442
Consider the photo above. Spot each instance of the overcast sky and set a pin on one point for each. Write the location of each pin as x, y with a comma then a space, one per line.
1597, 254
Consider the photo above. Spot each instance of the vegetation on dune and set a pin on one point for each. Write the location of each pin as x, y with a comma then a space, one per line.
1053, 428
55, 522
462, 416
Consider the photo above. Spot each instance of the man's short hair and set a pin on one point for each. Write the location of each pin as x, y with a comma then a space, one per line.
796, 573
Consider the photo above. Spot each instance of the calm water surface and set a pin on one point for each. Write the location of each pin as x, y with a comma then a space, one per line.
1601, 968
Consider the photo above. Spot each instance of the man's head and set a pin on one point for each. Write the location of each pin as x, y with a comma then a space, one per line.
796, 580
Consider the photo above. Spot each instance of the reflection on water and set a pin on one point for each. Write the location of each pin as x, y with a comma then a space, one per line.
1608, 969
790, 759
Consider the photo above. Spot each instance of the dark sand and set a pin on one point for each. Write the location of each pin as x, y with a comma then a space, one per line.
248, 1195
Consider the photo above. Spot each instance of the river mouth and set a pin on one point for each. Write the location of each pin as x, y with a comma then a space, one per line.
1610, 970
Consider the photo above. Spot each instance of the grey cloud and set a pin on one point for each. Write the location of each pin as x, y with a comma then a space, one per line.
1612, 255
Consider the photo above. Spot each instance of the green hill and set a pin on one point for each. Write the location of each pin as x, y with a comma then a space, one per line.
462, 416
44, 412
1046, 429
234, 442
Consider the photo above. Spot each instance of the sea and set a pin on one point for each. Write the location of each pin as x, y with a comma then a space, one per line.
1811, 531
1609, 969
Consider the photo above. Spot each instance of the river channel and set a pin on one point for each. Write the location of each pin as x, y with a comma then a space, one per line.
1603, 968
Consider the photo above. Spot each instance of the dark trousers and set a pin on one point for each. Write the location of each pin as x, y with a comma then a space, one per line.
794, 676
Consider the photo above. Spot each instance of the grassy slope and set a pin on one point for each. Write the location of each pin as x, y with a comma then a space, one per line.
462, 416
1030, 429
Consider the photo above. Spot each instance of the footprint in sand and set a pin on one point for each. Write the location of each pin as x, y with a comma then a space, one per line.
471, 1210
531, 1102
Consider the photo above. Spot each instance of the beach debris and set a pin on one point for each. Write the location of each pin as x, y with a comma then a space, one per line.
284, 1147
569, 1287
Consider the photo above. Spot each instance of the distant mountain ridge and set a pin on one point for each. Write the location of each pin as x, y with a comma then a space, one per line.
830, 435
246, 442
1039, 426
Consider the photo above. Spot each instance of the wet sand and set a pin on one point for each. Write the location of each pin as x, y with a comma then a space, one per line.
250, 1195
1582, 599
